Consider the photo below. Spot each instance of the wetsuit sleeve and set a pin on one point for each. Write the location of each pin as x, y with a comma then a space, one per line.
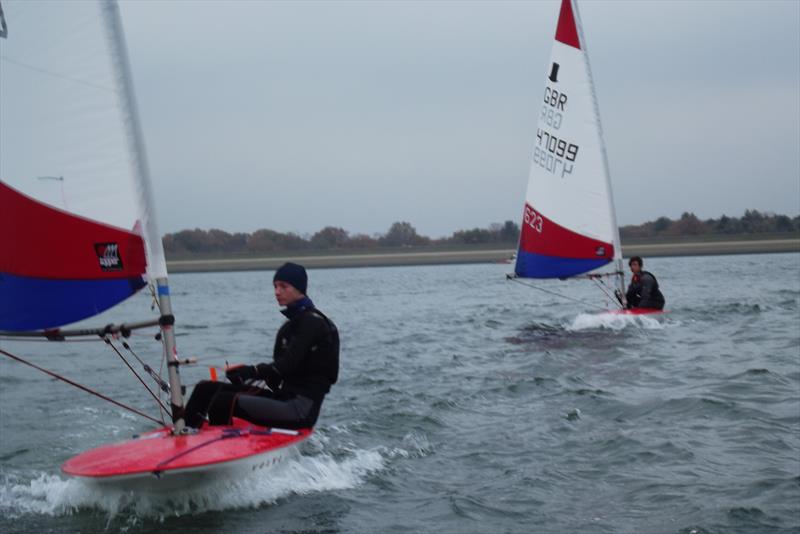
647, 282
630, 296
288, 359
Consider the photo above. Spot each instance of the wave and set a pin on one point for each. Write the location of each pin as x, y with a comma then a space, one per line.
613, 321
50, 494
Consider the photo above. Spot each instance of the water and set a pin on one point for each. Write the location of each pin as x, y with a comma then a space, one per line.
466, 403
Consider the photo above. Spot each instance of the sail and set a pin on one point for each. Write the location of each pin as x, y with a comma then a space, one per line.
568, 224
57, 268
77, 231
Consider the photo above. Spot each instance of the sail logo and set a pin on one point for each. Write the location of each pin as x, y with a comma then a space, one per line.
108, 256
554, 73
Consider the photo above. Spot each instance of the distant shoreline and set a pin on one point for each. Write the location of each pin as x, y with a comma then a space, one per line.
476, 255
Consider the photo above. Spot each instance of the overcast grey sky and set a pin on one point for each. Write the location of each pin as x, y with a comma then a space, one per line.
295, 116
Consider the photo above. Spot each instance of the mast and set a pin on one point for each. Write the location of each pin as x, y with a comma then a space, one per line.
157, 267
616, 242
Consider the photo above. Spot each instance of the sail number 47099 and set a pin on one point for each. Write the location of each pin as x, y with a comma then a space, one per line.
556, 146
532, 219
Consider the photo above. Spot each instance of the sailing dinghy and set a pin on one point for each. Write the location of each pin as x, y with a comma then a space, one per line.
78, 233
569, 226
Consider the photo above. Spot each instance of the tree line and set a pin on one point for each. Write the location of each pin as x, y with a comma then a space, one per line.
400, 234
752, 222
403, 234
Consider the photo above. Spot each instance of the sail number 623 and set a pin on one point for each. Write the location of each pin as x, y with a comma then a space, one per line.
532, 219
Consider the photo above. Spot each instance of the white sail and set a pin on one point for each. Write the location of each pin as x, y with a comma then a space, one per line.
569, 225
68, 134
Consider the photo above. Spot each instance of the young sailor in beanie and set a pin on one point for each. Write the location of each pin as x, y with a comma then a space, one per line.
292, 274
305, 363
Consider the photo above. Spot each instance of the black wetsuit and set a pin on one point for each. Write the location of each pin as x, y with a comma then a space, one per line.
643, 292
305, 365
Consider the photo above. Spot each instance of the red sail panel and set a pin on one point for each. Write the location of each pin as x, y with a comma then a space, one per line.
541, 235
40, 241
567, 30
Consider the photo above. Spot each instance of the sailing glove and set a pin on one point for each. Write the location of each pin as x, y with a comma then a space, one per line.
241, 374
269, 374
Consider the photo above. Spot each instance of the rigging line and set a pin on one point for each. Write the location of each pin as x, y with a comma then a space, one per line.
56, 75
161, 407
154, 304
79, 386
604, 288
514, 279
149, 370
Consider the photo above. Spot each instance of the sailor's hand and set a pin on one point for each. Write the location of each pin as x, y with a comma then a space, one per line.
240, 374
269, 374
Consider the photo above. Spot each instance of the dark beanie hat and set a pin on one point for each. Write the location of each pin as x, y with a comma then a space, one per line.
293, 274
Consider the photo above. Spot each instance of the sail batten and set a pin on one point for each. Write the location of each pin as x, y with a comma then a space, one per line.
568, 225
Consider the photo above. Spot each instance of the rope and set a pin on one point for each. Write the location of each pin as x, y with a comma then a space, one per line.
79, 386
161, 407
226, 434
157, 377
608, 293
517, 280
163, 386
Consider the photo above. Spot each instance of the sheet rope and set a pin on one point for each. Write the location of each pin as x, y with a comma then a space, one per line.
80, 386
555, 293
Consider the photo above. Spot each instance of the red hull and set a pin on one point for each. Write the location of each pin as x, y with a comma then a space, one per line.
160, 453
637, 311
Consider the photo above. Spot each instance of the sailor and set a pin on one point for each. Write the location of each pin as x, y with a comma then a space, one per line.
304, 366
643, 290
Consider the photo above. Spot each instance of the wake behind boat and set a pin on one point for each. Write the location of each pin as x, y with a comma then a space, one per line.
70, 253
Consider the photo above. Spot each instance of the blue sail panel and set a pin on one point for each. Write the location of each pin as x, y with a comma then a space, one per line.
37, 303
531, 265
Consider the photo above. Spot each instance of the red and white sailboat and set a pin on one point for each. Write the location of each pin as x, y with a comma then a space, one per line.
569, 225
67, 253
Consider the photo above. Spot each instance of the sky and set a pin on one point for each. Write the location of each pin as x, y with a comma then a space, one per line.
299, 115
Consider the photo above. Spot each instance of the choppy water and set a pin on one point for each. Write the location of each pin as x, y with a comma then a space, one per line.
466, 404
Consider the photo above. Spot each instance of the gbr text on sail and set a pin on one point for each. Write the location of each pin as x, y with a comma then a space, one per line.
552, 153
